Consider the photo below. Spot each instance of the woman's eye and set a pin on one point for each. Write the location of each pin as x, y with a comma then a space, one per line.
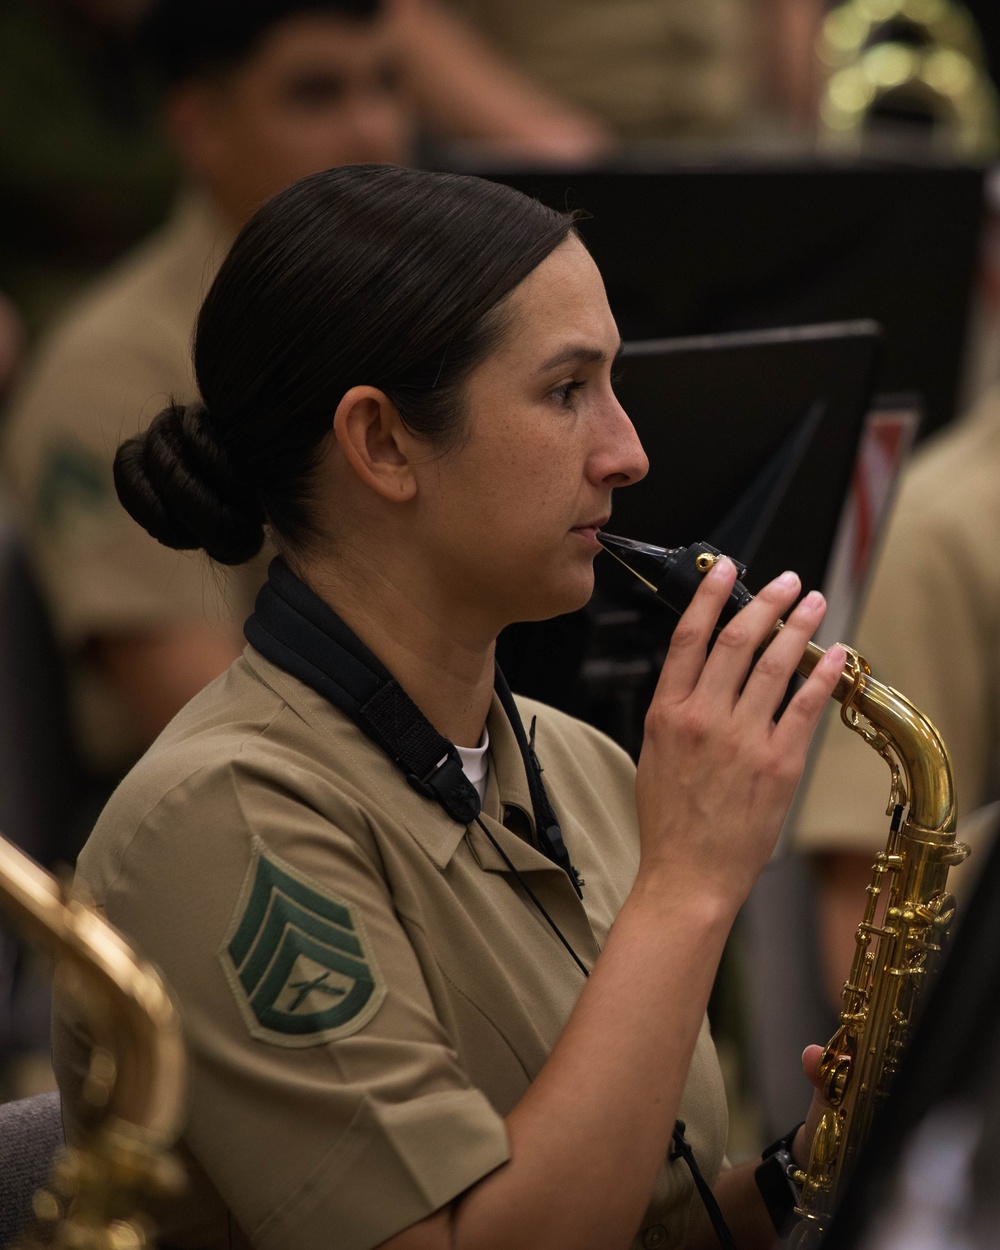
562, 393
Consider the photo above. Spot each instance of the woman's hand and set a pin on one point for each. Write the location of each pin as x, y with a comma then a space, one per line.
717, 771
715, 778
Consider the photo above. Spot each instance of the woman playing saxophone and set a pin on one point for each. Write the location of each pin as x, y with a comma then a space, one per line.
442, 955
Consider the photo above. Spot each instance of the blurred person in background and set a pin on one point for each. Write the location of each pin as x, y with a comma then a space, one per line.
468, 88
666, 69
257, 94
930, 628
85, 169
11, 342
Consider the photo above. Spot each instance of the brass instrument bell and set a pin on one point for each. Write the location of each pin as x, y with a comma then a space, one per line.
908, 67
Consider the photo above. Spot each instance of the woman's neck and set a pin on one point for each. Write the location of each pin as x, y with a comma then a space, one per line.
449, 679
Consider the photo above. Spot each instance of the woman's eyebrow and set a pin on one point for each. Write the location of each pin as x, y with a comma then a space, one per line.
585, 355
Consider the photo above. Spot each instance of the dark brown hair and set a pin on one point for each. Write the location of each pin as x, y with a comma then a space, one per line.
361, 275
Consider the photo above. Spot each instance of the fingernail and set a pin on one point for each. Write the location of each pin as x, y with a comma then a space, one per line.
720, 568
813, 599
787, 581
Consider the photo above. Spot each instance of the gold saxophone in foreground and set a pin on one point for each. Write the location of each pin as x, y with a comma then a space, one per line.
908, 909
134, 1089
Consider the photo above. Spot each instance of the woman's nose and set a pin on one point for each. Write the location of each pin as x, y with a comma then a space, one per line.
623, 461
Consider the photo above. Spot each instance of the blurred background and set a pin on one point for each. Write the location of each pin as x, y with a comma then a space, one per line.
743, 166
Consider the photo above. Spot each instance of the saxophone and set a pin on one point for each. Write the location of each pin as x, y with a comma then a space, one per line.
908, 911
134, 1088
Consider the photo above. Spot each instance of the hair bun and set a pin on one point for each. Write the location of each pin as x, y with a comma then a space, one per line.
182, 488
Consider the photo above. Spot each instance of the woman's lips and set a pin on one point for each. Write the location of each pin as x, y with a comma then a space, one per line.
589, 531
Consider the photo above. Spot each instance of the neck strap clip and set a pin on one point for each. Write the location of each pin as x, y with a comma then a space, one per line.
448, 785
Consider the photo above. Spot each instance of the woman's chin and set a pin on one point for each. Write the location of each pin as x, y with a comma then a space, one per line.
570, 596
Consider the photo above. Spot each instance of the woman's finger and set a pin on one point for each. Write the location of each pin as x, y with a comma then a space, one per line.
768, 681
798, 721
802, 1145
733, 653
810, 1064
689, 643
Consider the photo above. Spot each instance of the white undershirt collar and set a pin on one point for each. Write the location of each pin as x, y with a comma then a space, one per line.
475, 764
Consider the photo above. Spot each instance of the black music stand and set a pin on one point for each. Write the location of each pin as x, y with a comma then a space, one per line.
694, 245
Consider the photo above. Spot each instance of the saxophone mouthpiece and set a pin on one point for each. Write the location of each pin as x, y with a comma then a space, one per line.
673, 574
641, 559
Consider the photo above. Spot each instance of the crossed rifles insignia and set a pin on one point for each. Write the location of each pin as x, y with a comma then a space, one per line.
297, 959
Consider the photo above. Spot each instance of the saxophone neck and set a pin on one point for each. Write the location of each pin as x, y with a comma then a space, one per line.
923, 778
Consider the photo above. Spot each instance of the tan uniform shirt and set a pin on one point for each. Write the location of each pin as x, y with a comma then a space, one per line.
100, 377
654, 69
366, 992
931, 628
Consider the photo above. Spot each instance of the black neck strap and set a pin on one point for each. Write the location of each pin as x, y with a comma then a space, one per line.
549, 833
294, 629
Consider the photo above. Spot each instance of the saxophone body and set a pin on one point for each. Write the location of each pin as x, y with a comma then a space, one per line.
134, 1089
908, 910
905, 921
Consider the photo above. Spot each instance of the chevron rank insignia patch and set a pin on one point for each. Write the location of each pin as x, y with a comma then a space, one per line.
298, 959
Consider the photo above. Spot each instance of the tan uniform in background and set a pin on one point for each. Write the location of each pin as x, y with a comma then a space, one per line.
654, 69
366, 993
931, 628
111, 365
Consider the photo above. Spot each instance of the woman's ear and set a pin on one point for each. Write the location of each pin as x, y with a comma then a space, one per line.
377, 444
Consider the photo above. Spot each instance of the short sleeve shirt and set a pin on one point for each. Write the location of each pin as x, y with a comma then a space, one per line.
931, 629
654, 69
365, 989
100, 377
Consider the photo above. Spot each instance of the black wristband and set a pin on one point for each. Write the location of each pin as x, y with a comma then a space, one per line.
774, 1177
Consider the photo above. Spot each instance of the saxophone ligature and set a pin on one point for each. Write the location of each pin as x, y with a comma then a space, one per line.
134, 1089
908, 911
